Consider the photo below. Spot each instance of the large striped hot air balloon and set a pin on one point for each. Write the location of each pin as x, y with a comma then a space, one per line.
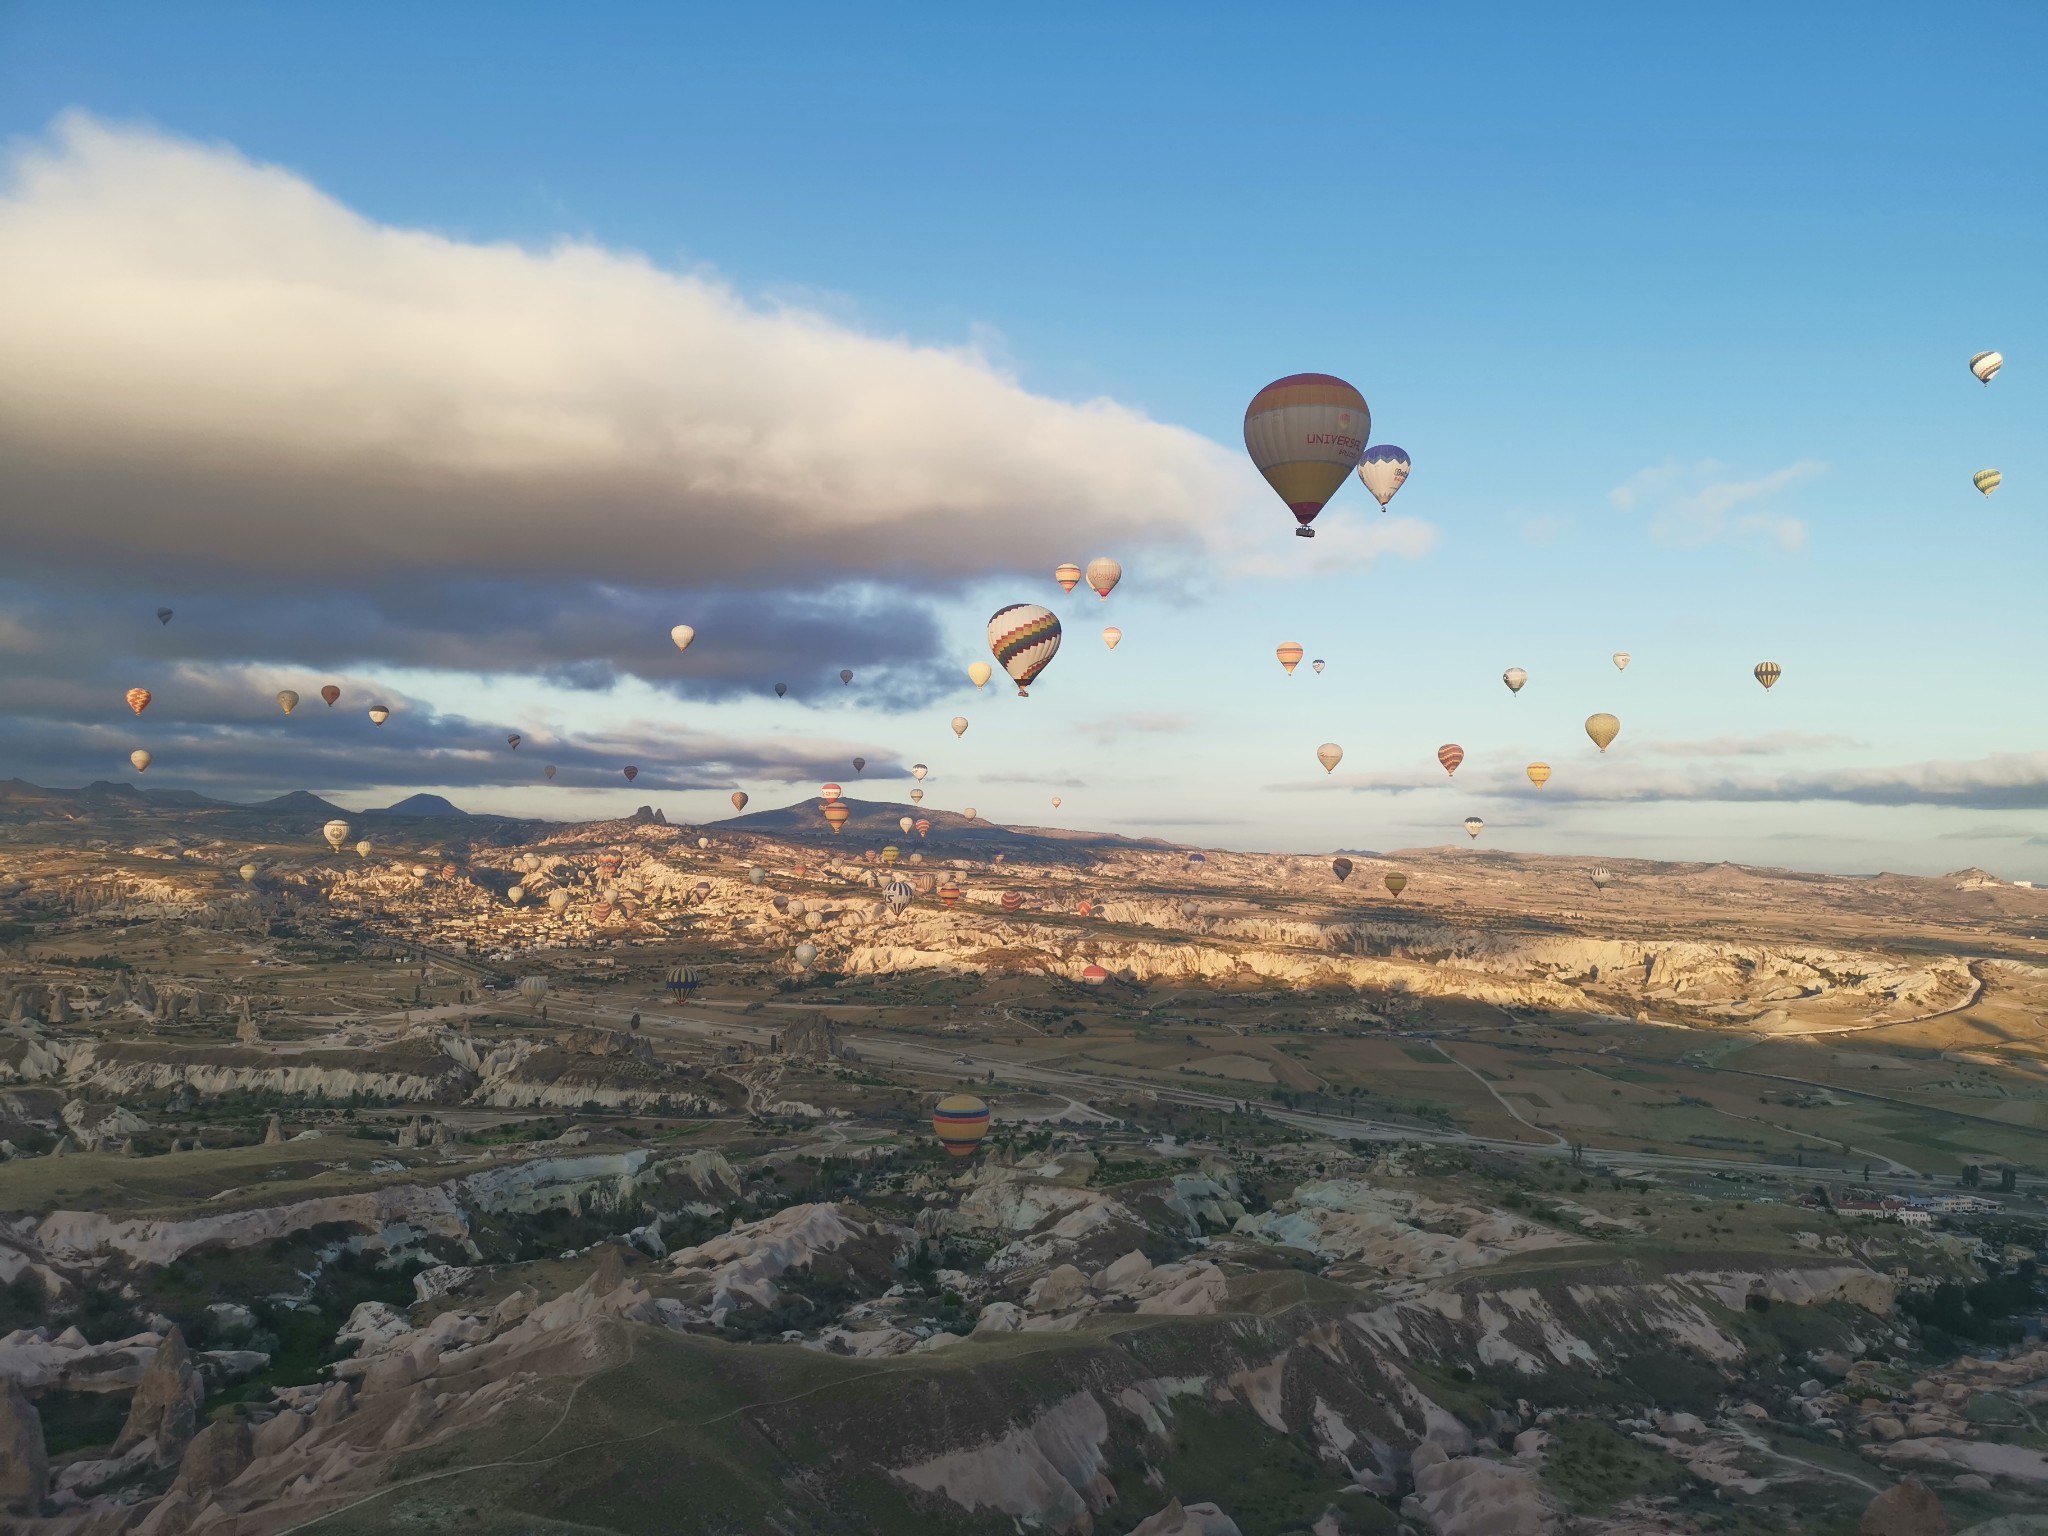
960, 1120
1396, 883
1767, 673
891, 854
1103, 575
1024, 638
138, 699
924, 827
1987, 480
1305, 433
1013, 901
1539, 774
899, 894
1289, 654
1450, 754
1985, 364
682, 980
949, 894
1603, 728
836, 814
1383, 470
1068, 575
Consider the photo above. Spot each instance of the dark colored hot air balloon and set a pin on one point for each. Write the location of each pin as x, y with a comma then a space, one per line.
682, 980
163, 615
632, 773
846, 676
782, 690
1341, 868
329, 694
859, 763
1397, 882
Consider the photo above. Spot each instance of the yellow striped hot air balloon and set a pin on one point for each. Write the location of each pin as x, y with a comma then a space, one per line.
1396, 883
1068, 575
1305, 433
1603, 728
1290, 655
836, 813
1986, 480
960, 1120
1767, 673
1539, 774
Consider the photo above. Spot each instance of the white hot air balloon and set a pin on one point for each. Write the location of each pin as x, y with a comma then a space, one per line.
905, 822
1383, 470
364, 848
918, 771
1986, 364
1329, 754
141, 760
968, 812
379, 713
1621, 660
959, 725
1474, 826
1112, 637
1103, 575
682, 634
336, 833
1514, 677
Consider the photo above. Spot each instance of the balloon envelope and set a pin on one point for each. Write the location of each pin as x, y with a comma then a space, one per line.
336, 833
1768, 672
1068, 575
287, 700
1112, 636
960, 1120
904, 823
836, 814
1985, 364
1514, 677
363, 850
1024, 638
1603, 728
1289, 655
1305, 433
1621, 660
1318, 664
631, 773
959, 725
831, 792
781, 690
805, 953
1103, 575
549, 773
138, 699
1539, 774
846, 676
1987, 480
1341, 868
917, 797
1397, 882
859, 763
141, 760
1329, 754
918, 770
739, 799
979, 672
163, 615
1450, 754
513, 740
379, 713
682, 634
1383, 470
1474, 826
329, 694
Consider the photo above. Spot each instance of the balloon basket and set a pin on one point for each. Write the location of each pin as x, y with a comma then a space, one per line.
1304, 533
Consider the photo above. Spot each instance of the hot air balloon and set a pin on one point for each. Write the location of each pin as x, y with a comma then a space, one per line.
904, 823
1024, 638
1055, 802
968, 813
960, 1120
836, 814
365, 848
138, 699
924, 826
630, 772
379, 713
1289, 655
1329, 754
1112, 636
949, 894
1768, 672
248, 873
608, 865
1013, 901
1093, 976
1318, 664
1341, 868
1986, 364
899, 895
682, 634
739, 799
1068, 575
1474, 826
1197, 860
549, 773
1603, 728
959, 723
859, 763
287, 700
846, 675
329, 694
141, 760
1396, 883
1450, 754
917, 797
513, 741
891, 853
805, 953
782, 690
1987, 480
1305, 433
1103, 575
979, 672
1383, 470
163, 615
1514, 677
1539, 774
1621, 660
516, 894
918, 771
336, 833
830, 792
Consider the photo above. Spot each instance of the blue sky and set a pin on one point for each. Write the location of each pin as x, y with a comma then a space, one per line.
1672, 309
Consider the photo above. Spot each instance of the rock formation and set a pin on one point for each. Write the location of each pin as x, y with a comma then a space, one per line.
24, 1463
165, 1407
1908, 1508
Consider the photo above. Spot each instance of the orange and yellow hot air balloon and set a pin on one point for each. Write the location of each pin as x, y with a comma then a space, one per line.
1306, 433
1289, 655
138, 699
960, 1120
1450, 754
1539, 774
836, 814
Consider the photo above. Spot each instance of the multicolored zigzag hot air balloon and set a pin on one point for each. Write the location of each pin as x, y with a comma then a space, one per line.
1450, 754
1024, 638
1305, 433
1383, 470
960, 1120
138, 699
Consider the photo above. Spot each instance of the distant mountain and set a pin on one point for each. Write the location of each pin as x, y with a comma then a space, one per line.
298, 803
420, 805
874, 823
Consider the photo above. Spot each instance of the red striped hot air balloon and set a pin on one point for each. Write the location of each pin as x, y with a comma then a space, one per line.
1450, 754
836, 813
924, 826
1013, 901
960, 1120
1094, 976
138, 699
950, 895
1306, 433
831, 792
1289, 655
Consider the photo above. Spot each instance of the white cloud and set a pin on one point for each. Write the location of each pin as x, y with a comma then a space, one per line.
1774, 744
1694, 504
211, 360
